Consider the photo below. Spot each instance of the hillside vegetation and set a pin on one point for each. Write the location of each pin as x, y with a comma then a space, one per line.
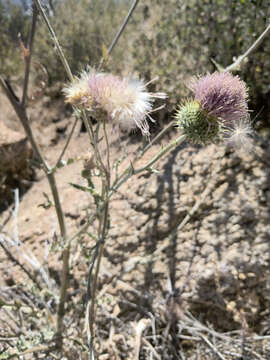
171, 39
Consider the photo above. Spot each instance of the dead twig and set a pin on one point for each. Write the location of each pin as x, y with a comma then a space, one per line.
122, 28
29, 52
254, 46
212, 347
21, 266
39, 348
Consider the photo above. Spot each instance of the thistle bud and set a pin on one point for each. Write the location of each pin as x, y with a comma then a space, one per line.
195, 123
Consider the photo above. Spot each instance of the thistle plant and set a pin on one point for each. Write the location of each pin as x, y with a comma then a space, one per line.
218, 111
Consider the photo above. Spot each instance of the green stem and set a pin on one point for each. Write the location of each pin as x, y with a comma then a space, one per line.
67, 142
156, 138
103, 224
162, 152
144, 150
103, 221
129, 173
108, 172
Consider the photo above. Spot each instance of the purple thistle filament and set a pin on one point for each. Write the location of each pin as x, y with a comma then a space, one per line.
222, 95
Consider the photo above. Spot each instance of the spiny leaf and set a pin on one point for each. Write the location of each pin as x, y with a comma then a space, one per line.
89, 189
47, 204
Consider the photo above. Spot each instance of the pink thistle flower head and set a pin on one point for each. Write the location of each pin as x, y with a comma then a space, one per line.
222, 95
218, 111
126, 102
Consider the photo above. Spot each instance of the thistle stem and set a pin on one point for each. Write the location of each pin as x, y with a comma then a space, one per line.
130, 171
161, 153
156, 138
145, 149
103, 224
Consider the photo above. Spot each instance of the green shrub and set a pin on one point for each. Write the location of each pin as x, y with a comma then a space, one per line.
84, 29
13, 20
179, 39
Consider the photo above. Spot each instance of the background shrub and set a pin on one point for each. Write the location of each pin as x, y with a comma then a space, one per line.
13, 20
85, 29
170, 38
179, 39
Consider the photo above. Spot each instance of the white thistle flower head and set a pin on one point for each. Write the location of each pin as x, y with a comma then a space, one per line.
126, 102
77, 91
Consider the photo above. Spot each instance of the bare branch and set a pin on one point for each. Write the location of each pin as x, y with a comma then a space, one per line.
55, 40
122, 28
17, 262
253, 47
29, 55
20, 111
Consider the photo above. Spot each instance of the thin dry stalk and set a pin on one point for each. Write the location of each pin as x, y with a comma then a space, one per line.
212, 347
91, 308
58, 162
123, 26
20, 110
55, 40
21, 266
253, 47
139, 329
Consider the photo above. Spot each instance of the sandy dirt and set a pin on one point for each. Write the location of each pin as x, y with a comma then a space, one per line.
196, 232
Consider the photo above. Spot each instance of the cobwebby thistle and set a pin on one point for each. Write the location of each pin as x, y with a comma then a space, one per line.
124, 101
218, 111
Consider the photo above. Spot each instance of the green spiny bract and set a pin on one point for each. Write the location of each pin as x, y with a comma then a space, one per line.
196, 124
